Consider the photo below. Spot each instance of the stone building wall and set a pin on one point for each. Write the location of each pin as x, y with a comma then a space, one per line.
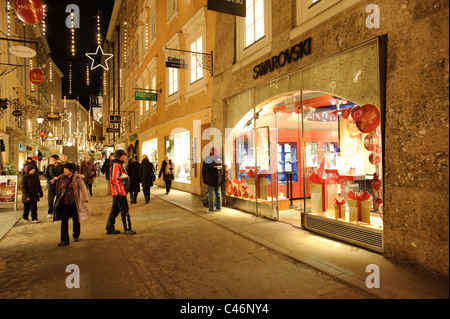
416, 139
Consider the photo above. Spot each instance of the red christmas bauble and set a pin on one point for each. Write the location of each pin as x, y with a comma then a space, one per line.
369, 120
357, 113
29, 11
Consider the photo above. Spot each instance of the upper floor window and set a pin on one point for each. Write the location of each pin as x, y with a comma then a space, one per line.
254, 21
311, 13
173, 81
254, 32
171, 8
196, 68
152, 26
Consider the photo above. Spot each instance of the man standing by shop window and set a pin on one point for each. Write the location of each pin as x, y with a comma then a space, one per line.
119, 183
54, 169
213, 173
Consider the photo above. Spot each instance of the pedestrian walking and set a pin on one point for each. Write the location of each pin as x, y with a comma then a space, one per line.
71, 199
87, 169
213, 173
106, 170
147, 176
53, 170
98, 168
31, 192
167, 172
135, 184
119, 182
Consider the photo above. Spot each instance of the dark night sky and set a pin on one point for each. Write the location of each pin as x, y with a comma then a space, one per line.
59, 39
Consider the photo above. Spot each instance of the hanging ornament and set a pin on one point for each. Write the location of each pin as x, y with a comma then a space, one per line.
97, 59
29, 11
372, 143
374, 159
65, 116
36, 76
357, 113
369, 120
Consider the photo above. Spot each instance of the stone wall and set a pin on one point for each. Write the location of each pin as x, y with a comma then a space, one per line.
416, 159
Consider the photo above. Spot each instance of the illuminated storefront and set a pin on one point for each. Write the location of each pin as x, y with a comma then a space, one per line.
307, 148
150, 148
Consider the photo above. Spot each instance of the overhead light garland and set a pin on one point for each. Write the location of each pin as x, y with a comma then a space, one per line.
72, 31
125, 43
50, 71
70, 77
44, 24
31, 83
99, 38
87, 75
8, 8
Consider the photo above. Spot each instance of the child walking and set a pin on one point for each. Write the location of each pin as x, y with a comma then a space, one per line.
31, 192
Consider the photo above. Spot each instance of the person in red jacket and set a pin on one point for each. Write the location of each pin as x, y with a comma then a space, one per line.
119, 182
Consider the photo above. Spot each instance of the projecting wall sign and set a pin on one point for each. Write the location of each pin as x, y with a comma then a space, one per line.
22, 52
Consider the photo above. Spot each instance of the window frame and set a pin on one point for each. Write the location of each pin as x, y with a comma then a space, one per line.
246, 54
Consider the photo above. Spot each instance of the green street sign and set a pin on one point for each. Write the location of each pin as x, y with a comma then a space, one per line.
145, 96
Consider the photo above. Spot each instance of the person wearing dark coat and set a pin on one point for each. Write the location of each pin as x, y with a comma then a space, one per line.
30, 161
213, 173
106, 169
54, 169
147, 176
133, 173
87, 169
31, 192
167, 172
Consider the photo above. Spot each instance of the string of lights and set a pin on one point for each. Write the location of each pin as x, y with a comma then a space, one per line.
8, 8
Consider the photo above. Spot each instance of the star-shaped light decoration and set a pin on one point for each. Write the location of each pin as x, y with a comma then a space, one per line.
65, 116
77, 134
97, 58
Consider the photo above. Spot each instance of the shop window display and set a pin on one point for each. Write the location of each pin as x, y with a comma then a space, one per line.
182, 157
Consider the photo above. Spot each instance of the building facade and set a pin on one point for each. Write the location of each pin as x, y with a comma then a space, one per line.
163, 110
20, 131
330, 111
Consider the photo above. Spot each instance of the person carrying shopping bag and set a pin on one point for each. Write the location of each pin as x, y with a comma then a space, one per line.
71, 199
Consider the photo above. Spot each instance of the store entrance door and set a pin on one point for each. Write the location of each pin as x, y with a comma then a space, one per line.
264, 180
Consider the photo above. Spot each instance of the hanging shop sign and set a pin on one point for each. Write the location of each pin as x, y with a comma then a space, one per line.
145, 96
29, 11
22, 52
112, 130
175, 61
36, 76
53, 116
296, 52
16, 113
115, 119
233, 7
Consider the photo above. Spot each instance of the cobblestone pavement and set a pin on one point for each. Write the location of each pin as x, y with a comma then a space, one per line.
174, 255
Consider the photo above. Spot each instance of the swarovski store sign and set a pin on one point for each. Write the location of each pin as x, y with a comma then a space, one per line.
296, 52
234, 7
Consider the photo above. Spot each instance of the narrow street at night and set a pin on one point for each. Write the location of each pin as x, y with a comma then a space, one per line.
174, 254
